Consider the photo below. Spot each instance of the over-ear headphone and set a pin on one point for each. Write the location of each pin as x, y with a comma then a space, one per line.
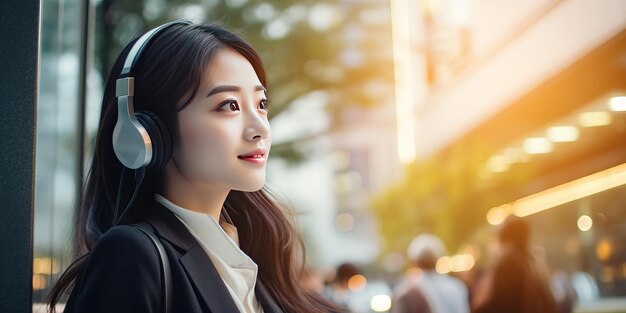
140, 139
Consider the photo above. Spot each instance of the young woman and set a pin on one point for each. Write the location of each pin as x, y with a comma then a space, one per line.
231, 248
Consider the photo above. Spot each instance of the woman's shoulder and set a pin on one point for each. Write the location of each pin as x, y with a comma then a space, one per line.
121, 254
124, 242
124, 266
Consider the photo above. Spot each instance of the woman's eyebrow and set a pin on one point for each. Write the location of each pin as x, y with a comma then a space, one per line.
231, 88
223, 88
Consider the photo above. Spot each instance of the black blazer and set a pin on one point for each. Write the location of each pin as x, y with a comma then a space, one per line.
123, 273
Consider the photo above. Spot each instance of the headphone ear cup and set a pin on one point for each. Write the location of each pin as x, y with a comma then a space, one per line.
160, 136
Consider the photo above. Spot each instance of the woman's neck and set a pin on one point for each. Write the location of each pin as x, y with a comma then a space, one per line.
199, 197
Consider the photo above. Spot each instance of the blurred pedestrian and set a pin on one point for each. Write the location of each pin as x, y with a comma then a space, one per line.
338, 290
425, 290
518, 281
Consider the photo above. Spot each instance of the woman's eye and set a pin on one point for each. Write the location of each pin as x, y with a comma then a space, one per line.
230, 105
264, 105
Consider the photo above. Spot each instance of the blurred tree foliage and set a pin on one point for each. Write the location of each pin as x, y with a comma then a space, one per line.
340, 47
448, 195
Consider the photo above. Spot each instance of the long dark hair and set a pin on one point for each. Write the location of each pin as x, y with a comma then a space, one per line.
168, 74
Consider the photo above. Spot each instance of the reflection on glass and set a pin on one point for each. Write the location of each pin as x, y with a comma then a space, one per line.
57, 142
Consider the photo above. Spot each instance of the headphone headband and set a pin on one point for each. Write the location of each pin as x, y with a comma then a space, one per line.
142, 42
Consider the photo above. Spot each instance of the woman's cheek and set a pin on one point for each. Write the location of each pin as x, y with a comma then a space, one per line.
193, 150
208, 150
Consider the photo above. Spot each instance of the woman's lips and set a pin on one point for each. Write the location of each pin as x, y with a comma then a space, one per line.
255, 156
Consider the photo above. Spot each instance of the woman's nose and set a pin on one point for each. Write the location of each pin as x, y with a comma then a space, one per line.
257, 127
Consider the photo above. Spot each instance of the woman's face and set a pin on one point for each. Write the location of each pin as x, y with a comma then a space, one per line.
225, 134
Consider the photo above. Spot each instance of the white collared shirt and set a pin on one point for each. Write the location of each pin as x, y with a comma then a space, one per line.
238, 270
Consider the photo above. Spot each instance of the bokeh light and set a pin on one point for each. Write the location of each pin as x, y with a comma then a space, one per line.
380, 303
584, 223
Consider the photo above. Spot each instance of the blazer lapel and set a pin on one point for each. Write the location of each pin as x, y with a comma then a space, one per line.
196, 262
208, 281
267, 302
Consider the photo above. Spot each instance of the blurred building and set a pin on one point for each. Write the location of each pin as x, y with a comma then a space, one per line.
350, 155
536, 89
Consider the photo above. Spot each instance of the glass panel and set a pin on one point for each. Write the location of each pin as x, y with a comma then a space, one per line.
57, 142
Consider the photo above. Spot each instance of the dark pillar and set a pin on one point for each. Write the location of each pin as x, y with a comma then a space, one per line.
19, 46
